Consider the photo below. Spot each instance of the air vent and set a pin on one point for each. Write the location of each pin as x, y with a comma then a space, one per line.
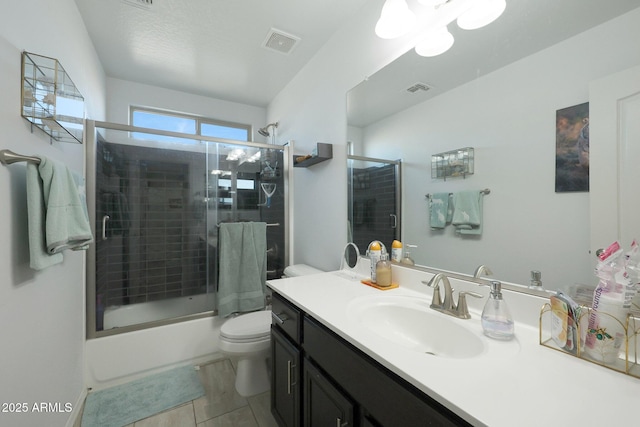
280, 41
418, 87
142, 4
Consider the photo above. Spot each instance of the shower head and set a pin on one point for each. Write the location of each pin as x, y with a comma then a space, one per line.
265, 130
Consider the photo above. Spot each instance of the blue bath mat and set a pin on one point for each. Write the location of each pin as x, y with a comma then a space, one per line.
127, 403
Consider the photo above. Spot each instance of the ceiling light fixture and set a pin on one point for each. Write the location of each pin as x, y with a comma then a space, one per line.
435, 43
396, 19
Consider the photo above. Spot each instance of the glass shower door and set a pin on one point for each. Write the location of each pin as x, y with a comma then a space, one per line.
156, 205
374, 201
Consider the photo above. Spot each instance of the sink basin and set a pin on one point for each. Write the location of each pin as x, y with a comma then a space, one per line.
410, 323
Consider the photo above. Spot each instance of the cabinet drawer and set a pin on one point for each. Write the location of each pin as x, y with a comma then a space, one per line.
287, 317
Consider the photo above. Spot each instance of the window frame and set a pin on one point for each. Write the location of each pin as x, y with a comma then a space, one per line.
199, 121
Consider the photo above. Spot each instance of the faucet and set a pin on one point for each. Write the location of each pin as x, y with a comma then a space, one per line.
459, 310
482, 269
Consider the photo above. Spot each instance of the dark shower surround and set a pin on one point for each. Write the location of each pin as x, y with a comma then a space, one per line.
374, 199
158, 235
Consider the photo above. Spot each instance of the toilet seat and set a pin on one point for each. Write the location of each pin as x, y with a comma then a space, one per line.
248, 327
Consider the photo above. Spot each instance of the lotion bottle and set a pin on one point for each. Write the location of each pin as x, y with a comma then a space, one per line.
497, 322
375, 252
396, 251
383, 271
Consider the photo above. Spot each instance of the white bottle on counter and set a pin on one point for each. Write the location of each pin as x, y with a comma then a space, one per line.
375, 252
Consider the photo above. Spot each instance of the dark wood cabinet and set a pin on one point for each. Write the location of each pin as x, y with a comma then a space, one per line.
341, 385
324, 405
285, 375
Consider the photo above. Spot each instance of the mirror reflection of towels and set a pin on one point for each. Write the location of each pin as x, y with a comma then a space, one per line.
439, 210
467, 214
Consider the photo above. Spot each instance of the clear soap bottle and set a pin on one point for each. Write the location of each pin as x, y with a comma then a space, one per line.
383, 271
497, 322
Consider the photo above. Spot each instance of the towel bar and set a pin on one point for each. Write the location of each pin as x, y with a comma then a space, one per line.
275, 224
485, 191
8, 157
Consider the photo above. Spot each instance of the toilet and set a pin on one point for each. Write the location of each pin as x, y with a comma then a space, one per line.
247, 338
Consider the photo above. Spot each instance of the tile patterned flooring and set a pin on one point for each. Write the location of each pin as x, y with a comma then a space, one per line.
221, 406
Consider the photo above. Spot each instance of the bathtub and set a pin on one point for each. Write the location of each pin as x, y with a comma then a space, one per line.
115, 359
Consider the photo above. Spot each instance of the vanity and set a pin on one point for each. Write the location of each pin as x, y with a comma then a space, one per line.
337, 360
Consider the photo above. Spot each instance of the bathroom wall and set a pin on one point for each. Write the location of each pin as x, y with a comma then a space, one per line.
514, 141
311, 109
41, 313
121, 94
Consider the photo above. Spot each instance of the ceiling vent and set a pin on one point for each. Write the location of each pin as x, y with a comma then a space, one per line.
280, 41
418, 87
142, 4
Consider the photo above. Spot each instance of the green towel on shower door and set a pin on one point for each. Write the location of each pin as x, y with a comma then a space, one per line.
243, 267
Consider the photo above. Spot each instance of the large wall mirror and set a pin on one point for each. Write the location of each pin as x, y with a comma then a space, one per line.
500, 89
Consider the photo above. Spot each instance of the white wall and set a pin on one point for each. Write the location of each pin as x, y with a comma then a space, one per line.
509, 118
121, 94
41, 313
502, 115
312, 108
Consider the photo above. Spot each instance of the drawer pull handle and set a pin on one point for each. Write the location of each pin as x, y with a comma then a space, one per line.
280, 318
339, 423
290, 367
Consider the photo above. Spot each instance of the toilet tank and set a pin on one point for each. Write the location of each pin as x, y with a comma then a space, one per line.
296, 270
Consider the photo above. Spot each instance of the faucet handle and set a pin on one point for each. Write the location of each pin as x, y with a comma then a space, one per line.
462, 311
436, 301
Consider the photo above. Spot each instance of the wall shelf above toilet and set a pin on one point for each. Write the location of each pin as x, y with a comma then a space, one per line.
323, 152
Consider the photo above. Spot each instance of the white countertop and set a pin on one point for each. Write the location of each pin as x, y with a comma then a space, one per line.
512, 383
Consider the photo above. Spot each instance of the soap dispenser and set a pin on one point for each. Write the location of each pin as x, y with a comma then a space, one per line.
383, 271
406, 259
496, 320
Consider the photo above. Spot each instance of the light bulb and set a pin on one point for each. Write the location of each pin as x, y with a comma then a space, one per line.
481, 14
435, 43
395, 19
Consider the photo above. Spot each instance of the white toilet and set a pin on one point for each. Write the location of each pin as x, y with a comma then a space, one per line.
248, 338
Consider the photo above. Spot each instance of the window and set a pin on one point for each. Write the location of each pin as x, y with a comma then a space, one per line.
184, 123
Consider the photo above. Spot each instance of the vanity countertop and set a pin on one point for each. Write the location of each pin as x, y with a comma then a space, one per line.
517, 382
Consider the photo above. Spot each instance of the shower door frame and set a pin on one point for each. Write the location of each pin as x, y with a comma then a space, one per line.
398, 184
90, 142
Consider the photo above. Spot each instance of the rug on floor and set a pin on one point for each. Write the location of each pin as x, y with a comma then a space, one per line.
127, 403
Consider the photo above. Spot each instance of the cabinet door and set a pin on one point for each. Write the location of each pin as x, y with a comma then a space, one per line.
324, 405
285, 372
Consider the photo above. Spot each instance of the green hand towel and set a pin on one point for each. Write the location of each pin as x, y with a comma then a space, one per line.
67, 222
439, 210
243, 267
467, 215
39, 257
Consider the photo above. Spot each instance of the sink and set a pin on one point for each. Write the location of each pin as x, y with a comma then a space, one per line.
411, 324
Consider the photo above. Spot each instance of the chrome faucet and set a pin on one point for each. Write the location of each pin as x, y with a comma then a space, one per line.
459, 310
482, 269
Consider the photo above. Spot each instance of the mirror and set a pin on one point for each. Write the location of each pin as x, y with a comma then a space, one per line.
350, 256
498, 90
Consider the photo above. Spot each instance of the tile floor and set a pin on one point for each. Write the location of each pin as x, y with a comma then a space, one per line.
221, 406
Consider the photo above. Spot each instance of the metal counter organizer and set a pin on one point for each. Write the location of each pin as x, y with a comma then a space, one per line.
615, 346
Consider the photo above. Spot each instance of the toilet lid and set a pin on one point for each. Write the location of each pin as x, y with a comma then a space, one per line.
248, 326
